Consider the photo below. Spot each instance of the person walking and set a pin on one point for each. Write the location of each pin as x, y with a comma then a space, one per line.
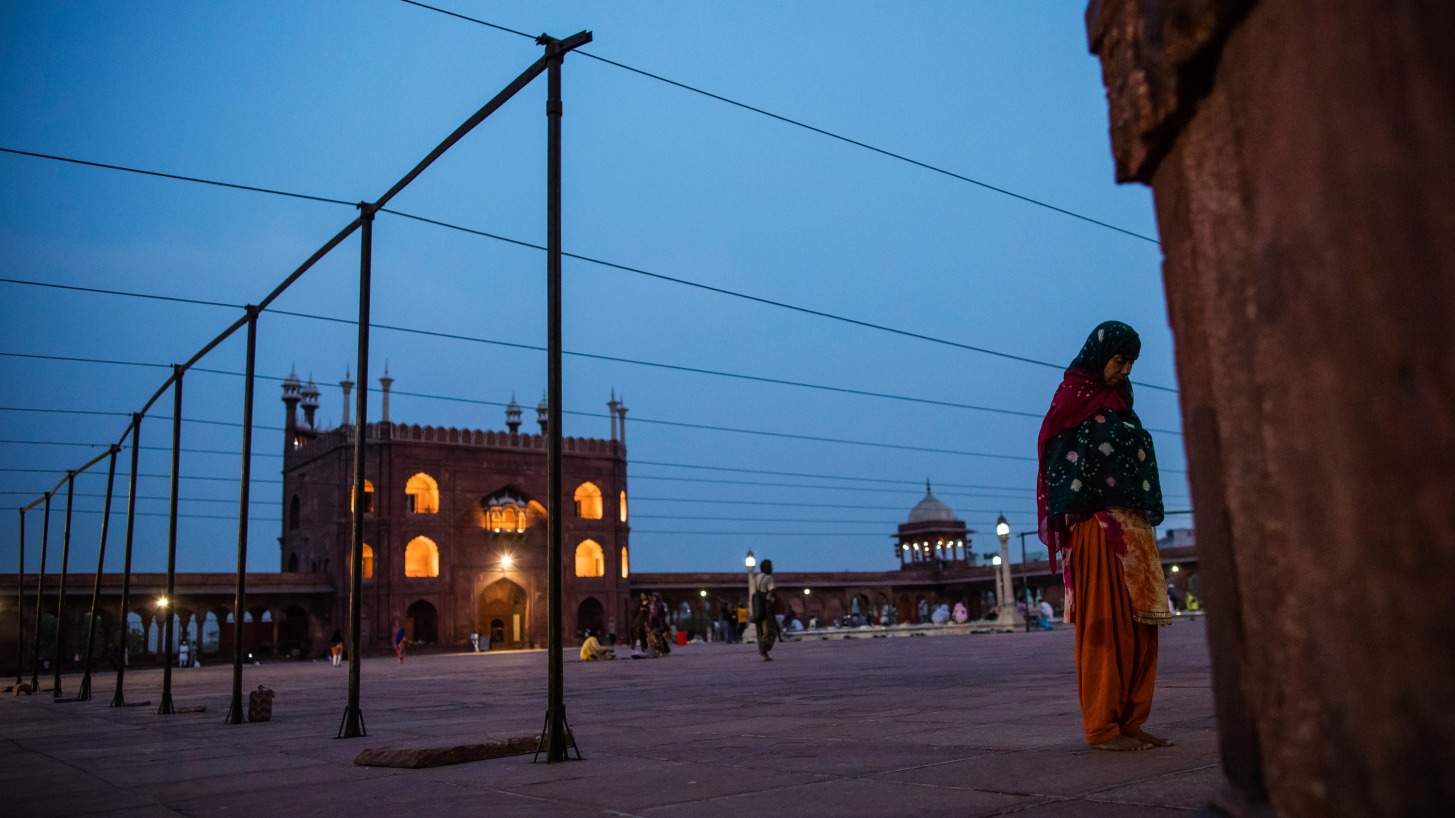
1097, 498
761, 598
399, 643
336, 647
639, 624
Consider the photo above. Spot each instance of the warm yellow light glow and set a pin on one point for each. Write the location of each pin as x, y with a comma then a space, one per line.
161, 602
624, 570
421, 558
590, 562
422, 495
806, 591
623, 506
588, 501
506, 561
368, 562
368, 498
702, 593
1175, 569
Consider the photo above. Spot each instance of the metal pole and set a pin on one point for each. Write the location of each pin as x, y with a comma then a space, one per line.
85, 692
1025, 582
45, 535
554, 734
165, 708
235, 713
556, 704
61, 596
124, 648
353, 721
20, 609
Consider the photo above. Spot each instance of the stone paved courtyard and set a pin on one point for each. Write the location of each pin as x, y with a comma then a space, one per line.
973, 725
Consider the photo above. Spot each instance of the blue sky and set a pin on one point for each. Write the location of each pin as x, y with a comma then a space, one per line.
339, 100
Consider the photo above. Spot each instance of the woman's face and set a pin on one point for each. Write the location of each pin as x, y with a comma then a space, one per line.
1118, 370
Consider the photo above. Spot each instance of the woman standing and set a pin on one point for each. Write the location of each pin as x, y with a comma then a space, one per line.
1097, 498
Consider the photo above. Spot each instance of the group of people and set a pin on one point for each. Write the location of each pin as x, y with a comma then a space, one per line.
650, 627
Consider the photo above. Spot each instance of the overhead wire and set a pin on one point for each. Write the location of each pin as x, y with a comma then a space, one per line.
613, 265
799, 124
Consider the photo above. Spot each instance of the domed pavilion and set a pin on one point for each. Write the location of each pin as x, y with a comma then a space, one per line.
933, 536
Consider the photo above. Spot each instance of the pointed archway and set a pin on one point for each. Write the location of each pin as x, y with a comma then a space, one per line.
500, 612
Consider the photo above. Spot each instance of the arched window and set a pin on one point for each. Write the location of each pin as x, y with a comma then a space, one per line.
421, 558
623, 506
505, 518
294, 513
368, 562
590, 562
368, 498
422, 495
588, 502
623, 562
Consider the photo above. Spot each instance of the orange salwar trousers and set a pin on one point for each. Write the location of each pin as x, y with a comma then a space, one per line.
1116, 657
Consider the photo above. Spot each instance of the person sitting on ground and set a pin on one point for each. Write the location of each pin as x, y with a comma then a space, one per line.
592, 651
941, 614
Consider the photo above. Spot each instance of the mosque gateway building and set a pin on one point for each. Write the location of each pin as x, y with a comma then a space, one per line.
454, 525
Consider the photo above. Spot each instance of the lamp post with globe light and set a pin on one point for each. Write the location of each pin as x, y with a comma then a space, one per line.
1004, 598
750, 633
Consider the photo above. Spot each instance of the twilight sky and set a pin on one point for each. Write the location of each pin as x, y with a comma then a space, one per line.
338, 100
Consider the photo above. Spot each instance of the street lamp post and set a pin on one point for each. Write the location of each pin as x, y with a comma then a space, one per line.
1025, 581
750, 633
1004, 596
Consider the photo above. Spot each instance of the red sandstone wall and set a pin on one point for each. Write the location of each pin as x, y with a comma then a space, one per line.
1303, 161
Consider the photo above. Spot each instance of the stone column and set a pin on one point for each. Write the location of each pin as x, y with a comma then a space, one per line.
1302, 164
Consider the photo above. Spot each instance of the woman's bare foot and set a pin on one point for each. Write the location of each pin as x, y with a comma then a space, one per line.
1155, 741
1121, 744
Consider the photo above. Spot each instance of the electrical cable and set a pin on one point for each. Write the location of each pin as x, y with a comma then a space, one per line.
805, 126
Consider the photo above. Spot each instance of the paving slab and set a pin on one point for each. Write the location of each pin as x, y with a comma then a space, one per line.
968, 725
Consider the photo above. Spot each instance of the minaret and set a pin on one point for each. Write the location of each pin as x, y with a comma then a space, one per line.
611, 407
347, 384
512, 416
621, 413
292, 393
543, 414
384, 384
310, 401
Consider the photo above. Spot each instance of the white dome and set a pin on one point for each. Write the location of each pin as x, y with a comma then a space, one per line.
930, 509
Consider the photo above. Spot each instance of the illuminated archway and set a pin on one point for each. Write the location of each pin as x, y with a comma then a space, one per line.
368, 498
623, 506
590, 562
624, 571
422, 495
368, 562
421, 558
588, 502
